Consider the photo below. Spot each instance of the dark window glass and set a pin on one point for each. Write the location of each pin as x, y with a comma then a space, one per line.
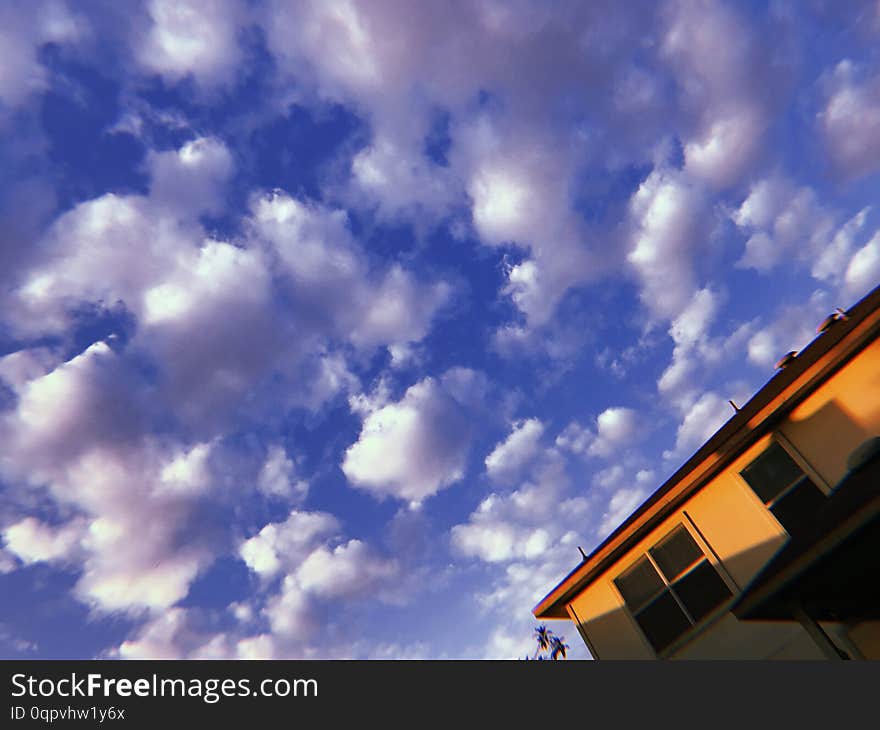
675, 553
687, 588
639, 583
796, 507
663, 621
702, 590
771, 473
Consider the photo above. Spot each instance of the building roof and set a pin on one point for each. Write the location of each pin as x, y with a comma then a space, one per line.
812, 366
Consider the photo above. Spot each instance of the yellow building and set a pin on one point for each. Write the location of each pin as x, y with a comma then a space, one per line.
766, 542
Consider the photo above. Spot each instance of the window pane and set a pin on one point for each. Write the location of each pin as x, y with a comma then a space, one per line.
702, 590
663, 621
771, 472
676, 552
638, 584
795, 509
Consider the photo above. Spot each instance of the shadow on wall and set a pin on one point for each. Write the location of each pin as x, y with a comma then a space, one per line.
828, 435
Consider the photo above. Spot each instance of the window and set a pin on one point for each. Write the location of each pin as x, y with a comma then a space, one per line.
783, 487
671, 588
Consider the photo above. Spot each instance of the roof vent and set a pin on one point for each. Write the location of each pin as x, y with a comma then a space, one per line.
786, 360
827, 322
836, 315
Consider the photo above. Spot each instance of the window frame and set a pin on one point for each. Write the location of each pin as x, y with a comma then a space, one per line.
684, 522
779, 438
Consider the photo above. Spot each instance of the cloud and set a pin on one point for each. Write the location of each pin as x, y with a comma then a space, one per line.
412, 448
220, 319
575, 439
195, 38
512, 165
509, 457
863, 270
23, 31
850, 121
32, 541
278, 477
79, 432
523, 524
666, 213
782, 220
327, 276
832, 261
282, 546
616, 429
689, 332
191, 179
715, 55
314, 566
707, 414
621, 505
347, 570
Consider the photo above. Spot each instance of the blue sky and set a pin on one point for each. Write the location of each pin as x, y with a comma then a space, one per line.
332, 329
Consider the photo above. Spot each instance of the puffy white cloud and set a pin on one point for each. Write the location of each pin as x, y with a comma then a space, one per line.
399, 183
191, 180
715, 56
278, 476
192, 37
8, 563
850, 121
400, 310
347, 570
412, 448
179, 633
666, 213
23, 31
186, 473
207, 311
863, 270
282, 546
514, 164
520, 197
19, 368
330, 281
785, 222
500, 529
510, 456
762, 349
575, 439
157, 639
312, 568
832, 261
707, 414
78, 432
689, 331
616, 429
498, 542
621, 505
523, 524
33, 541
782, 220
